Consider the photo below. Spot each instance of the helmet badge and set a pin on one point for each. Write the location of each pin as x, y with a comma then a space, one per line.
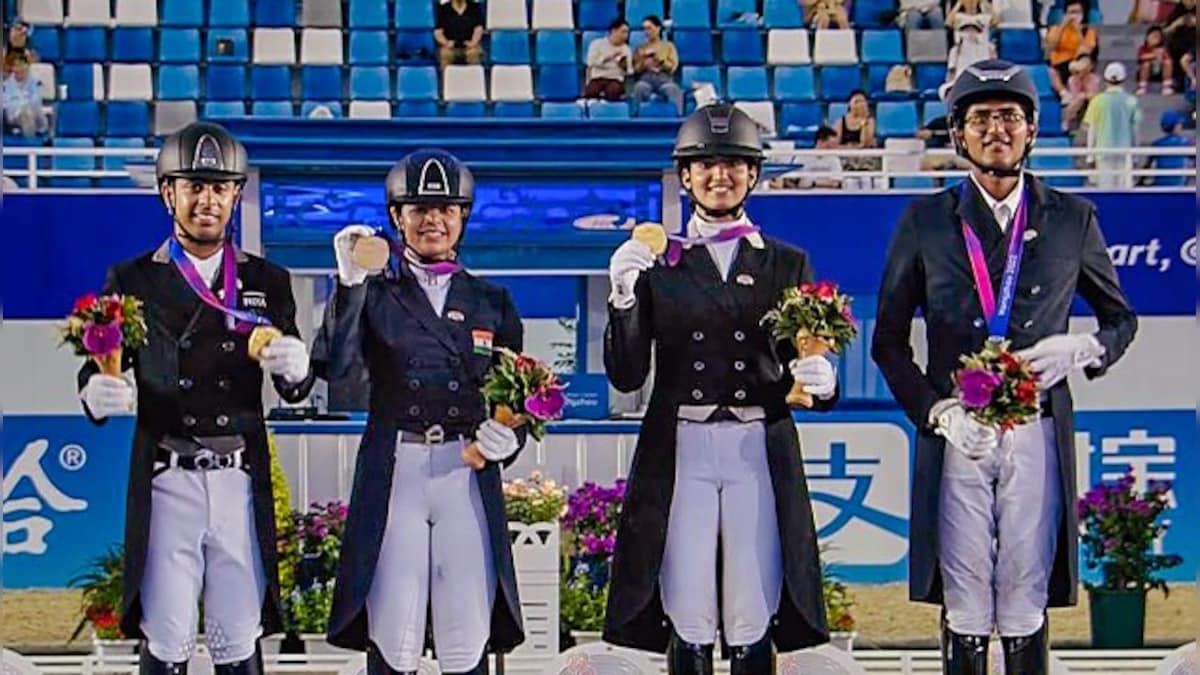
718, 120
433, 180
208, 154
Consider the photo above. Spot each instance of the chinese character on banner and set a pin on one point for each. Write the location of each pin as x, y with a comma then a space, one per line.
27, 533
858, 481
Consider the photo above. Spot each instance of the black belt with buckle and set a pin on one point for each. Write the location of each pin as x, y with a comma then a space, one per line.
205, 460
433, 435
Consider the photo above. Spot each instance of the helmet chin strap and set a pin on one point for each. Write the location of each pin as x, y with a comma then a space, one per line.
994, 171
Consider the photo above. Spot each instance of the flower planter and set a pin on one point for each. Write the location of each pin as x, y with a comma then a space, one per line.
585, 637
536, 557
1118, 618
106, 649
271, 643
843, 640
314, 643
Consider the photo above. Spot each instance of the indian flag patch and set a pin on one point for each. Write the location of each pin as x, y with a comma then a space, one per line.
482, 340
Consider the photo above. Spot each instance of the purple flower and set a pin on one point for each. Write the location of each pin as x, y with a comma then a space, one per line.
546, 404
977, 387
101, 338
1110, 543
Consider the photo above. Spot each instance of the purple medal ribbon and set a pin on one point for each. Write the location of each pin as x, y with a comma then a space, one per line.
402, 252
238, 320
996, 310
676, 243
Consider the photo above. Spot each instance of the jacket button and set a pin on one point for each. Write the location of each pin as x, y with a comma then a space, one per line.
224, 383
185, 344
452, 411
739, 336
414, 384
697, 336
452, 385
185, 383
413, 362
414, 410
697, 394
1027, 324
227, 346
739, 365
189, 421
1035, 290
222, 420
699, 365
978, 322
740, 394
455, 361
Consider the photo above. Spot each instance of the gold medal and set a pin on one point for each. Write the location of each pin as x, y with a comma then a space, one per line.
371, 253
652, 235
260, 337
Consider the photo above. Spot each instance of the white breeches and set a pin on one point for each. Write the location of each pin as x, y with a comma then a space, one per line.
435, 554
202, 538
722, 487
998, 533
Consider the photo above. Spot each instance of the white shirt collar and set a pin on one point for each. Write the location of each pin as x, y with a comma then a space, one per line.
1011, 201
697, 226
207, 267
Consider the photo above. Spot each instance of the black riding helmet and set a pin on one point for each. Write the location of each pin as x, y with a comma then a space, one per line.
719, 130
985, 80
203, 151
430, 176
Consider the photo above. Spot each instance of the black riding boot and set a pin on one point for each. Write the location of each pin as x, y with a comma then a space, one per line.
250, 666
377, 666
755, 659
963, 654
1027, 655
148, 665
685, 658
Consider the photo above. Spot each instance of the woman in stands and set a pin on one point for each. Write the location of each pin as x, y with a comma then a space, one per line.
718, 456
856, 129
426, 530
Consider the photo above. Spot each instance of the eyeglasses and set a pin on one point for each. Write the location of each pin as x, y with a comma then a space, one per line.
981, 121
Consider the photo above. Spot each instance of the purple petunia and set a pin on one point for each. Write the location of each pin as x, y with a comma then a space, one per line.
101, 338
546, 404
977, 387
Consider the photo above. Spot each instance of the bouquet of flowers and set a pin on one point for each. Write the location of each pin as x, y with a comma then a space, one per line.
818, 319
996, 387
521, 391
103, 326
1120, 528
538, 500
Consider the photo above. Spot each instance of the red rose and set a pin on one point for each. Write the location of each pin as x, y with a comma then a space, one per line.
106, 621
826, 291
807, 288
85, 302
525, 363
112, 309
1027, 391
1010, 363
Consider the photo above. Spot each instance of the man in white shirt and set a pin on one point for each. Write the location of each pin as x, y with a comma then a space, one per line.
609, 62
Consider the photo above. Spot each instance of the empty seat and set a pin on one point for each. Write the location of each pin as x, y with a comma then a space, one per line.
271, 82
369, 13
511, 83
415, 14
183, 13
927, 46
896, 118
747, 83
657, 110
321, 14
81, 162
553, 15
227, 45
229, 13
463, 83
274, 45
85, 45
509, 47
88, 13
370, 110
415, 46
877, 84
178, 83
46, 79
562, 111
837, 82
1020, 45
690, 14
224, 109
272, 109
1050, 118
368, 47
46, 41
1040, 73
788, 47
370, 83
466, 109
693, 75
136, 13
929, 78
117, 162
742, 48
428, 108
558, 82
835, 46
637, 10
873, 13
597, 14
309, 109
130, 82
321, 82
42, 12
882, 46
276, 13
932, 110
179, 45
513, 109
133, 45
83, 81
695, 47
510, 14
762, 112
555, 46
1014, 13
416, 83
321, 46
225, 83
77, 118
782, 14
171, 116
799, 120
731, 12
795, 83
607, 110
127, 118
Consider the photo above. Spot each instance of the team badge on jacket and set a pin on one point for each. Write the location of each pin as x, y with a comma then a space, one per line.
482, 340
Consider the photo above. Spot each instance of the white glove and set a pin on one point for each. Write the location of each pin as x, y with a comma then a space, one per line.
286, 356
969, 436
1054, 357
349, 272
107, 395
817, 375
496, 441
627, 262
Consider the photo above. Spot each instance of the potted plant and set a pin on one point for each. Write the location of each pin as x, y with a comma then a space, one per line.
838, 603
581, 607
1120, 526
102, 588
589, 539
312, 553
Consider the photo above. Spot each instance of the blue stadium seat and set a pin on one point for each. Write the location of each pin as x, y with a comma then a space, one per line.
228, 13
132, 45
1050, 119
562, 111
836, 111
271, 83
368, 14
1057, 163
415, 46
1020, 45
795, 83
80, 79
466, 109
45, 40
273, 13
416, 14
178, 83
72, 163
877, 83
873, 13
227, 45
597, 14
88, 45
799, 121
183, 13
747, 83
117, 163
783, 14
513, 109
368, 47
307, 108
896, 119
179, 45
695, 47
416, 109
657, 110
509, 47
555, 46
607, 110
586, 39
370, 83
729, 11
558, 83
742, 48
709, 74
417, 83
837, 82
78, 118
932, 110
224, 109
1041, 77
928, 78
636, 10
690, 14
272, 109
127, 118
225, 83
321, 83
882, 46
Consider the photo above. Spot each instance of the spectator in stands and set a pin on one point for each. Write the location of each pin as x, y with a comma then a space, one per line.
1187, 64
970, 46
23, 111
654, 64
1181, 30
1154, 63
18, 45
916, 14
1112, 119
1172, 126
1067, 40
856, 129
976, 12
459, 32
1082, 86
609, 62
820, 14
